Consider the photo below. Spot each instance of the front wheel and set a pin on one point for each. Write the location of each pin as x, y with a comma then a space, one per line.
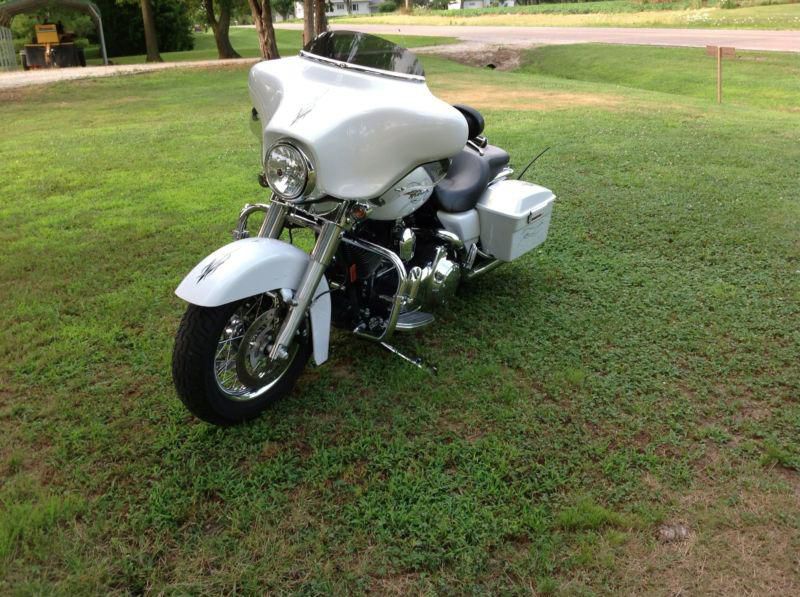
220, 363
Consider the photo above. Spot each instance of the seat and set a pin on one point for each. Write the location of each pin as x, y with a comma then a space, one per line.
497, 159
475, 122
466, 180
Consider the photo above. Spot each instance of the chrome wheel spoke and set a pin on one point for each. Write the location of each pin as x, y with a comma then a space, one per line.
242, 367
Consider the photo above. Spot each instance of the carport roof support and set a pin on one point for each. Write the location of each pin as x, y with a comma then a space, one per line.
11, 8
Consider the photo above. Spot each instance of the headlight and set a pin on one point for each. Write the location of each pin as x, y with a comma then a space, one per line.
287, 170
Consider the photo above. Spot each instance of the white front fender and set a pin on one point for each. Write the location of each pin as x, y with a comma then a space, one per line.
251, 266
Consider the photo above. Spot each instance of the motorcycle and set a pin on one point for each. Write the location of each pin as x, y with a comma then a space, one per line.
406, 199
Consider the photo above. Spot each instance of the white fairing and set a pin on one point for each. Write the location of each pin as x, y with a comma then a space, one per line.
362, 132
250, 267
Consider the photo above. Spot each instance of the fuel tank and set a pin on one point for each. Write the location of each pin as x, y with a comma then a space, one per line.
362, 131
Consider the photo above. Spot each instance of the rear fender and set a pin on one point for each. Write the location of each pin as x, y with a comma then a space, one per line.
250, 267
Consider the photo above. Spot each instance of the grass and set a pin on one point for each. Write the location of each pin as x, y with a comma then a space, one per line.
605, 13
759, 79
640, 368
245, 41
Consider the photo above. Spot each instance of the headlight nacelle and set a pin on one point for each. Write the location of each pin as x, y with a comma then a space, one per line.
288, 171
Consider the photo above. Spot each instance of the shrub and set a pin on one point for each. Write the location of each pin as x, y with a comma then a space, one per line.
387, 6
124, 31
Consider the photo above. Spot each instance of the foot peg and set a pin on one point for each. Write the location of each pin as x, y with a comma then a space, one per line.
416, 361
413, 320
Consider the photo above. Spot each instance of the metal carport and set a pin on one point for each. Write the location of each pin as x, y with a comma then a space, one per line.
10, 8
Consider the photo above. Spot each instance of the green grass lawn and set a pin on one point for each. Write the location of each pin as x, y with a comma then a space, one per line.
640, 369
605, 13
759, 79
245, 41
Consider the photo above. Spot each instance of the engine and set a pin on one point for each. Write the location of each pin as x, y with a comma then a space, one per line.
434, 281
368, 280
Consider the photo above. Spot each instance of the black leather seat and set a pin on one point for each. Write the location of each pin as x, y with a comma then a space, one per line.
470, 172
497, 159
465, 182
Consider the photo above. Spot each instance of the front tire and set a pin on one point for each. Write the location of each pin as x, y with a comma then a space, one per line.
219, 363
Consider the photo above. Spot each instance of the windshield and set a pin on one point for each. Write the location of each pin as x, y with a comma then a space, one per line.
366, 51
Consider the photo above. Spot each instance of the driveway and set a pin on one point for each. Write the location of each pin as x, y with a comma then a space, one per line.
777, 41
21, 78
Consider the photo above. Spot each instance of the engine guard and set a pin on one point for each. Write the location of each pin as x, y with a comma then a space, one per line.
250, 267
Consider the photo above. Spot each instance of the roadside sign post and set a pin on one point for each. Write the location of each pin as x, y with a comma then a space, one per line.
720, 52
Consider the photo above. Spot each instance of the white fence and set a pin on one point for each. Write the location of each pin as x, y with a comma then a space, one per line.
8, 57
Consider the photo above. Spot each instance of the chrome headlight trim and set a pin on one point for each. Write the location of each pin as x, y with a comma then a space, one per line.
311, 177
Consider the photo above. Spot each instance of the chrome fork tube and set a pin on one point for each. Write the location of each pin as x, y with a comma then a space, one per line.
328, 241
274, 220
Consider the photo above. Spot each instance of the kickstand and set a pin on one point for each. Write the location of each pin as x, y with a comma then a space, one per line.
417, 362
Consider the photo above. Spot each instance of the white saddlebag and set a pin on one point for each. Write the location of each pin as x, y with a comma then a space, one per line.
514, 216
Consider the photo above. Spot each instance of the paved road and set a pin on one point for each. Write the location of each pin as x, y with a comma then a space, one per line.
779, 41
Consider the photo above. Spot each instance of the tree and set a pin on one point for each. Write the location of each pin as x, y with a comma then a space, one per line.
285, 8
221, 27
262, 18
124, 28
320, 20
308, 21
150, 37
314, 19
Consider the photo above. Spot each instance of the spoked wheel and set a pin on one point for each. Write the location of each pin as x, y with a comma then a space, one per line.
221, 365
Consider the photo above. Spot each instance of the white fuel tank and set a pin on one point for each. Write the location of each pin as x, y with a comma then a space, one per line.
409, 193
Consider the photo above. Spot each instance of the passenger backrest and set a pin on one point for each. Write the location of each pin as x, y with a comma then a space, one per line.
474, 119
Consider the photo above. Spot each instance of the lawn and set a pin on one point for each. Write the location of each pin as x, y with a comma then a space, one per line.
758, 79
640, 369
245, 41
605, 13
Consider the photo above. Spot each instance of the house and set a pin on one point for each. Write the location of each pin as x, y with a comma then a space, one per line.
340, 9
459, 4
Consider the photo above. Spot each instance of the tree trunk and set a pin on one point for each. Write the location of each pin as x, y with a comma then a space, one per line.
320, 20
308, 21
262, 17
150, 38
221, 28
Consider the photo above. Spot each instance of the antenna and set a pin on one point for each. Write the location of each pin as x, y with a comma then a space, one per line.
541, 153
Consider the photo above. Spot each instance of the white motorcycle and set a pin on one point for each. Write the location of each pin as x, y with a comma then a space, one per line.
406, 198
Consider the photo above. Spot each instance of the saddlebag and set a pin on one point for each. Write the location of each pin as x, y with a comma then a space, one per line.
514, 216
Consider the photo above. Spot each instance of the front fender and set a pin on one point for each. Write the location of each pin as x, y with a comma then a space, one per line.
251, 266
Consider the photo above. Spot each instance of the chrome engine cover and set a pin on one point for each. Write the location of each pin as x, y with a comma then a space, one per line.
435, 283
